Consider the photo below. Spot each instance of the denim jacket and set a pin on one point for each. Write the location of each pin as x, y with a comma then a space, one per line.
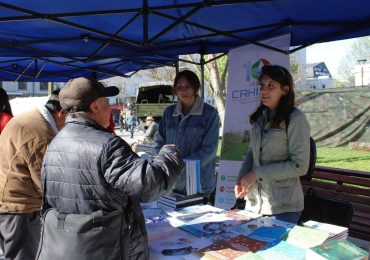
195, 135
278, 156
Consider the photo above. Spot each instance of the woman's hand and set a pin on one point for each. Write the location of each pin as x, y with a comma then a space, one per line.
242, 189
239, 193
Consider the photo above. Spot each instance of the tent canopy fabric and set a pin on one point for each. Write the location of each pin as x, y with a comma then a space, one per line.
43, 40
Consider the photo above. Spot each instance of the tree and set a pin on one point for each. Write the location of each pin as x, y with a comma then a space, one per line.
166, 73
215, 72
297, 71
360, 49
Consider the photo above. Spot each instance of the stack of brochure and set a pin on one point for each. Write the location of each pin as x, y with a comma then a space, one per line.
210, 224
175, 200
192, 176
335, 232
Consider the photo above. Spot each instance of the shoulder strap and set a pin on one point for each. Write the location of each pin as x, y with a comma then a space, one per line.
44, 204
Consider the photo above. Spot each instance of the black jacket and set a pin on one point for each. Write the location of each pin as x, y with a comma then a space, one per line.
88, 169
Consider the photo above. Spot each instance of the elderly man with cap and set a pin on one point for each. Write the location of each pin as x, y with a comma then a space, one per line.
86, 169
151, 131
23, 144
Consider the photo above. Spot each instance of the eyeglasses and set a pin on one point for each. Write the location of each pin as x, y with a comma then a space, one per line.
182, 87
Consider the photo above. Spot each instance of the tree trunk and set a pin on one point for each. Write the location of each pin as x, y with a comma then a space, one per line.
216, 84
217, 87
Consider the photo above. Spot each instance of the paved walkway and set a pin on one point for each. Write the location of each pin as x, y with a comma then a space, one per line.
125, 135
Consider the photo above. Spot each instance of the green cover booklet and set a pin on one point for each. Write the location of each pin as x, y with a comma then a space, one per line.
337, 249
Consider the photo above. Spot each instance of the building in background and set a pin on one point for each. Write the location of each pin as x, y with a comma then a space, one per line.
299, 59
362, 73
318, 76
27, 89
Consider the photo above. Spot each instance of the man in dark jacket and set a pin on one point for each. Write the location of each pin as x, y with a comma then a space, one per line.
87, 169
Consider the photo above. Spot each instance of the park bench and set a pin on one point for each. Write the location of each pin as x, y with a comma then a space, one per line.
348, 185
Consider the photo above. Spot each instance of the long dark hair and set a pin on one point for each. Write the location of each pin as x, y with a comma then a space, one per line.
286, 102
4, 103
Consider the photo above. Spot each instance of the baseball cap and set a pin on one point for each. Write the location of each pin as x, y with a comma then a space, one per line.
78, 93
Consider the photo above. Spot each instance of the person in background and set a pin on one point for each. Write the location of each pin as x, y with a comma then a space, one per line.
23, 144
102, 172
110, 128
194, 127
122, 120
5, 109
151, 131
131, 121
278, 153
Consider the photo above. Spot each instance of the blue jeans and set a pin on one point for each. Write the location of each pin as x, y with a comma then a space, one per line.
131, 129
291, 217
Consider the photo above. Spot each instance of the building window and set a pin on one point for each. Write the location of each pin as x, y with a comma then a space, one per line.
43, 86
323, 86
314, 87
22, 85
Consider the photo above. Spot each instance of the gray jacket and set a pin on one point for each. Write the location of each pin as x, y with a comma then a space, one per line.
278, 158
87, 169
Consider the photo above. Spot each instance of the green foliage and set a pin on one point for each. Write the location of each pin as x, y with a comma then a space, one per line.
360, 49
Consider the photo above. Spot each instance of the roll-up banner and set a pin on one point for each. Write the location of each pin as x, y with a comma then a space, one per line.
242, 99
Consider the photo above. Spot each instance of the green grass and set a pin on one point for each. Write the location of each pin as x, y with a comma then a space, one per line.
338, 157
219, 146
342, 157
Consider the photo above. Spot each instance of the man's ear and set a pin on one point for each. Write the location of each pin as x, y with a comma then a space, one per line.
94, 106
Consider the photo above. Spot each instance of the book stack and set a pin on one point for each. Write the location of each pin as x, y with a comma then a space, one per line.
176, 201
337, 249
231, 248
335, 232
306, 237
268, 234
282, 250
211, 224
251, 226
192, 169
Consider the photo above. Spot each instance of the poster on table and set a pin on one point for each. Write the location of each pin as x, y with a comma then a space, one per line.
242, 99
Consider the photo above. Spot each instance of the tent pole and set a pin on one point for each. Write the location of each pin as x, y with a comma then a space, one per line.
202, 75
177, 67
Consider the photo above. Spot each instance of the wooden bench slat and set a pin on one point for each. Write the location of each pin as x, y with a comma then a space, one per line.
338, 187
342, 178
342, 196
357, 234
361, 208
341, 171
364, 222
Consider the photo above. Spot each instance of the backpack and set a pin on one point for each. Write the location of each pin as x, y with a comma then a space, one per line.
312, 163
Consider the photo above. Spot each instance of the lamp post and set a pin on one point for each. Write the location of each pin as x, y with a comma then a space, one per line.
362, 62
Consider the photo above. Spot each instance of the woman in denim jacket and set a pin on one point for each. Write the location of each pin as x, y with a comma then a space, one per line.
193, 126
277, 155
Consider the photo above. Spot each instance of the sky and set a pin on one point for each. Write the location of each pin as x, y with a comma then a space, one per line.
331, 53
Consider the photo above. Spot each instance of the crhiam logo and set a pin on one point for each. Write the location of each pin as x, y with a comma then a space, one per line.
257, 66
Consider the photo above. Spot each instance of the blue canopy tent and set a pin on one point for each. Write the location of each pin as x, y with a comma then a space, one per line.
55, 40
